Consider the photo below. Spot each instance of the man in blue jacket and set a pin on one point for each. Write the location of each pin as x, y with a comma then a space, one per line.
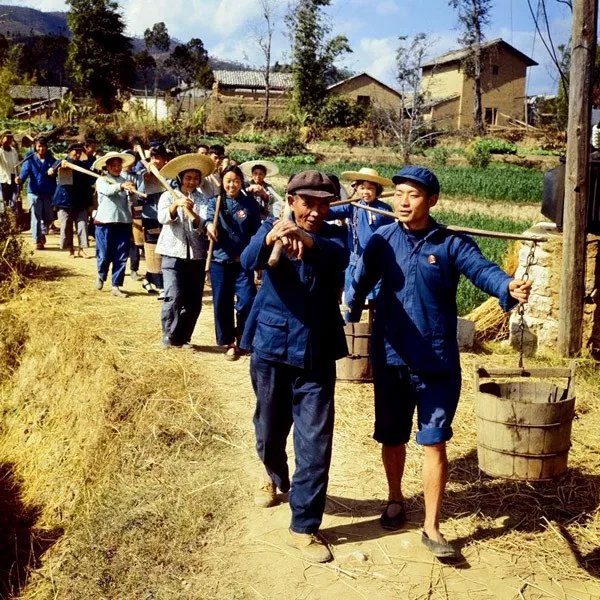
40, 190
295, 332
415, 352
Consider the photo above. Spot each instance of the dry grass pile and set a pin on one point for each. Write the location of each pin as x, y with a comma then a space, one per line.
520, 530
491, 322
15, 260
108, 446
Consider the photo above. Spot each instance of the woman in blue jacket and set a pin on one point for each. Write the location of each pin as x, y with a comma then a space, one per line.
239, 219
40, 190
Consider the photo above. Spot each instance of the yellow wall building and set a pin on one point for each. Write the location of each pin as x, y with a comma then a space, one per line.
450, 92
368, 91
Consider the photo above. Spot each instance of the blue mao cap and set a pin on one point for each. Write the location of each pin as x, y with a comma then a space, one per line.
421, 175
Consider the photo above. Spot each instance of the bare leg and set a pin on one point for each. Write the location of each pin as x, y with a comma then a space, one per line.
435, 474
393, 458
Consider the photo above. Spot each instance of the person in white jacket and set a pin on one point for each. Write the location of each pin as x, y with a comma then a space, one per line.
183, 246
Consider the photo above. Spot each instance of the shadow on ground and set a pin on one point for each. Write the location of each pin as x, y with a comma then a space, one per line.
21, 545
525, 507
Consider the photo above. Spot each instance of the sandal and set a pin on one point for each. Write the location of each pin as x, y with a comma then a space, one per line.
396, 522
148, 287
439, 549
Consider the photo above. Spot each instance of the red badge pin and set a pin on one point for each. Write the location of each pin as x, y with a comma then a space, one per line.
431, 259
241, 213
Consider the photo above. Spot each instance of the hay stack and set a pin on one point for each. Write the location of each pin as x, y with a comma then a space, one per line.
491, 322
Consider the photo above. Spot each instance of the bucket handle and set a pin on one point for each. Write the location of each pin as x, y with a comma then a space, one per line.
537, 372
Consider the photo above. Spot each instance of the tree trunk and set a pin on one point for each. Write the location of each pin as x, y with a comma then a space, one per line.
477, 110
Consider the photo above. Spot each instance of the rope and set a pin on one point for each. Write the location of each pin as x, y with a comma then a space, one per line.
521, 310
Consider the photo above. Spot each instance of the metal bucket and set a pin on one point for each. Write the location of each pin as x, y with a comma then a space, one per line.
524, 427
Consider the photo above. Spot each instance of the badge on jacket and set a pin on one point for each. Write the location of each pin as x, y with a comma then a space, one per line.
241, 213
431, 259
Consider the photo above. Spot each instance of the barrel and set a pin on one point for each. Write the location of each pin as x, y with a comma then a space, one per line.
524, 426
357, 365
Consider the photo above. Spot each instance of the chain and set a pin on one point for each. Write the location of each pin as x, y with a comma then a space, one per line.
530, 261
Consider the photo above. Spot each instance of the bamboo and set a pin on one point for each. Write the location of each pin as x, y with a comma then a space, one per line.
211, 246
74, 167
468, 230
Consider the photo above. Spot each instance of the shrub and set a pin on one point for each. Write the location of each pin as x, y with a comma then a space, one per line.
495, 146
15, 264
288, 145
338, 111
440, 156
478, 156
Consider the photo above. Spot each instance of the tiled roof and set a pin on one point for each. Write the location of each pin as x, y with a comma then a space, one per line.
35, 92
253, 79
462, 53
364, 74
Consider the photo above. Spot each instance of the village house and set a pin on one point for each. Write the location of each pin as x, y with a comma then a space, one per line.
31, 100
449, 90
367, 91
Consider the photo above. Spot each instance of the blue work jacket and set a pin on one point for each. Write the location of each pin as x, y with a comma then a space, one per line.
295, 318
416, 319
150, 204
239, 220
36, 171
361, 224
76, 196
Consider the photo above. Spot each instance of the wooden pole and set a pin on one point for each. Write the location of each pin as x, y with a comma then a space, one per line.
572, 283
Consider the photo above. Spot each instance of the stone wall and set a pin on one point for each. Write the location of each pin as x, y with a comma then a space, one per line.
541, 313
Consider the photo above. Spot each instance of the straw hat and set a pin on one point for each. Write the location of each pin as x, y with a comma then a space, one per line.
126, 160
366, 174
248, 166
200, 162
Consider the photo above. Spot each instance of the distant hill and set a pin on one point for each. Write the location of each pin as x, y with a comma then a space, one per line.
18, 21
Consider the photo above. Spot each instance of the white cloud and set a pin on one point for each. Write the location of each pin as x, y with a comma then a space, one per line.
229, 16
387, 8
377, 56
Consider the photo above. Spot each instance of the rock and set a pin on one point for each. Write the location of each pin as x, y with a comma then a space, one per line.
465, 334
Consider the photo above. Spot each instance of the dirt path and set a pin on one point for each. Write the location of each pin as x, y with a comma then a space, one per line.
501, 554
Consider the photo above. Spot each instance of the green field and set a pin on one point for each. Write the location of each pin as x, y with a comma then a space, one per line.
469, 296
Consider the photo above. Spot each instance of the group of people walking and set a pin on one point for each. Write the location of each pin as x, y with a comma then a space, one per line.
200, 214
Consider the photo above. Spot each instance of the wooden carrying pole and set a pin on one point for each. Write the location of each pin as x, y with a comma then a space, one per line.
572, 282
74, 167
467, 230
211, 245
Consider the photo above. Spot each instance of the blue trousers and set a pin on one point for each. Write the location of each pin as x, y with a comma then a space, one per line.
40, 209
288, 395
230, 283
184, 285
112, 246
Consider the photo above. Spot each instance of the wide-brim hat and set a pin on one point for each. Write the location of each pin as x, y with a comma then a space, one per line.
126, 160
270, 167
200, 162
367, 174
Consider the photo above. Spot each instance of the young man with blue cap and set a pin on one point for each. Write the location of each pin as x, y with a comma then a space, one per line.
415, 353
296, 333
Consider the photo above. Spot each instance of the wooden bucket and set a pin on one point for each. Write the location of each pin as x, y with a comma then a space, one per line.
357, 365
138, 232
524, 427
153, 260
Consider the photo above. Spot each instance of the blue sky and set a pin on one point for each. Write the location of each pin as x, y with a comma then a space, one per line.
226, 27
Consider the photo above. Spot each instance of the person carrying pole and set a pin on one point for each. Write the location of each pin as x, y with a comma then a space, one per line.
232, 284
183, 245
295, 332
414, 348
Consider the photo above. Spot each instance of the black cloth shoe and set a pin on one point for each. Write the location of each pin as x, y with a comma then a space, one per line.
439, 549
393, 523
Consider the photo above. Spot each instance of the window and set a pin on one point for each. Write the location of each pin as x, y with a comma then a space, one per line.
363, 100
495, 69
490, 116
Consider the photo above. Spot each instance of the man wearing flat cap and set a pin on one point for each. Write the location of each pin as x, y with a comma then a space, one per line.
296, 333
415, 353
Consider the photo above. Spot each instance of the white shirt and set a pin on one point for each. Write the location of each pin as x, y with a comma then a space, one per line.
9, 159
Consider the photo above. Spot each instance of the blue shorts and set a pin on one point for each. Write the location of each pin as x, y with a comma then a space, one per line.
398, 390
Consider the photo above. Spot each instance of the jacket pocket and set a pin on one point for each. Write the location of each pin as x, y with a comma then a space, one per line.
271, 334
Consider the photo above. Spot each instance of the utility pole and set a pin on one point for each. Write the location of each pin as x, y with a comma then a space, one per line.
572, 282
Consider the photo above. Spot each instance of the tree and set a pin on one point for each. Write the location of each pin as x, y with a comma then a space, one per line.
313, 54
145, 64
473, 17
157, 38
8, 78
264, 39
100, 58
189, 63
